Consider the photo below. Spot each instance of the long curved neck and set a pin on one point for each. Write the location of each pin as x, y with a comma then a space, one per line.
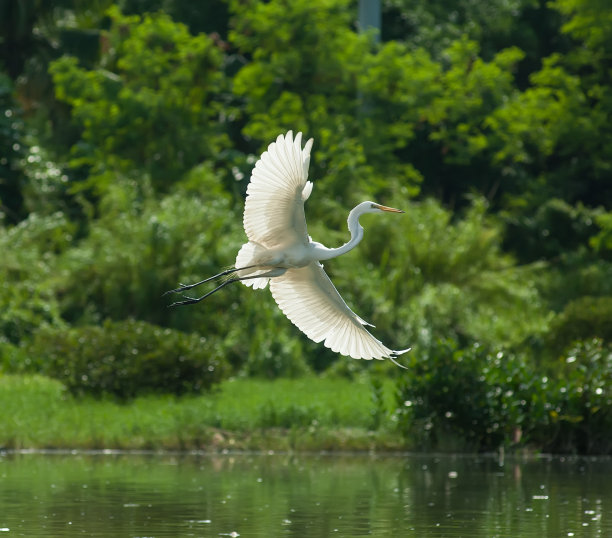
356, 236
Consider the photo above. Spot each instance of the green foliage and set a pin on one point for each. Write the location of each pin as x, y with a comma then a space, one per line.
378, 411
583, 318
445, 396
273, 349
573, 241
134, 176
602, 242
478, 398
469, 90
402, 115
20, 40
555, 228
322, 91
438, 277
46, 185
573, 276
127, 359
141, 247
152, 104
545, 129
580, 401
545, 133
210, 16
589, 21
530, 144
435, 24
26, 291
12, 357
532, 125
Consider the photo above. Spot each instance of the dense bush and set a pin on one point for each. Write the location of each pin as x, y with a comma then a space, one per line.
586, 317
580, 416
126, 359
445, 398
27, 298
480, 398
274, 352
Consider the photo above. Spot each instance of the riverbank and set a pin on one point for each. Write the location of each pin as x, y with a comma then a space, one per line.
309, 413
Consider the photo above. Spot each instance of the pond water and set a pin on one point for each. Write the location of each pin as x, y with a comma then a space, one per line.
140, 495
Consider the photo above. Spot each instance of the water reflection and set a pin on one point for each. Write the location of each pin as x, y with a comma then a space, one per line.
302, 496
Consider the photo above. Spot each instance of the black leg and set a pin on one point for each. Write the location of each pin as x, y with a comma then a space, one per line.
193, 300
185, 287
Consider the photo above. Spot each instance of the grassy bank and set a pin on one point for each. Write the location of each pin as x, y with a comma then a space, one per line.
302, 414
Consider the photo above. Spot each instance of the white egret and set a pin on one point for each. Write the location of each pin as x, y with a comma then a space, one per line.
280, 252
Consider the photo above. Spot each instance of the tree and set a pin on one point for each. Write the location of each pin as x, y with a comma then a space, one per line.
151, 105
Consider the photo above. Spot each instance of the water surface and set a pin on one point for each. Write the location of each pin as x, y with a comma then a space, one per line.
300, 496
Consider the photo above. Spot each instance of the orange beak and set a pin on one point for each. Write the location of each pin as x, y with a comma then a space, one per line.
390, 209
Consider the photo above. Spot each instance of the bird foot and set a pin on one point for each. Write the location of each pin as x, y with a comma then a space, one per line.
182, 287
188, 300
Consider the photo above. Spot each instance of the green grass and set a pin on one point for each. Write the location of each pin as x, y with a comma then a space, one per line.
303, 414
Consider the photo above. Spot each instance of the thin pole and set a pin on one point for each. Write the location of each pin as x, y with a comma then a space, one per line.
370, 16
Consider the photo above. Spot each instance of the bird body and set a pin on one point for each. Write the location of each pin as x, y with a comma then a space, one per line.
279, 252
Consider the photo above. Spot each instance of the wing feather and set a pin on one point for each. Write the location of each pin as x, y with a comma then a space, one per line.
309, 299
274, 207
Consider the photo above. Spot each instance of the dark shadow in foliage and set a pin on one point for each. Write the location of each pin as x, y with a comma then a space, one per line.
581, 319
126, 359
11, 151
555, 228
209, 17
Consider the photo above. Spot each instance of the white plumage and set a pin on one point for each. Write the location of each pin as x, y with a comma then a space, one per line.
275, 225
274, 208
280, 252
308, 298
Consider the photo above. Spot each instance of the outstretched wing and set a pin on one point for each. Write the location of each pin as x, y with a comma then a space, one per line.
274, 207
309, 299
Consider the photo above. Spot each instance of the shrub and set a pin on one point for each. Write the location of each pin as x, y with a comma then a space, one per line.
12, 357
27, 276
580, 416
482, 398
445, 395
126, 359
583, 318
